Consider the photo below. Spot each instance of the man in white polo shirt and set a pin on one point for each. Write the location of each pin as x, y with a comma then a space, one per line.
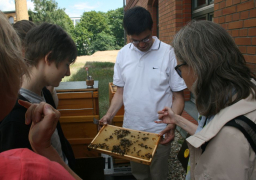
146, 82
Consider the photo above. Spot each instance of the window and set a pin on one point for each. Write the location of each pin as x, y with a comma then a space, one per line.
202, 9
11, 19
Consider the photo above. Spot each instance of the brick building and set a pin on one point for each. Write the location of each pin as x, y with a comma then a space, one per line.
238, 17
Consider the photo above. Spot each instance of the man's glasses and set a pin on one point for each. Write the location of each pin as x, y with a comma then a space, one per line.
178, 70
136, 42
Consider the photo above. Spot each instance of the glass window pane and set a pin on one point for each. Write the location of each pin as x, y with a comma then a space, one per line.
210, 17
11, 20
200, 18
200, 2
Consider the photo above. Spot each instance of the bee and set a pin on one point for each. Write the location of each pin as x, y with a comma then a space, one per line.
145, 138
138, 152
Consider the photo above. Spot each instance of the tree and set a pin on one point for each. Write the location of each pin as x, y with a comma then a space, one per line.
48, 11
103, 42
82, 39
99, 31
116, 25
90, 29
95, 23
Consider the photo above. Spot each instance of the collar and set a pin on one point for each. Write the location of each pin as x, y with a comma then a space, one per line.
155, 46
242, 107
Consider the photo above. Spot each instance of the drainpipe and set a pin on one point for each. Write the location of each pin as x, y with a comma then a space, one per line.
124, 30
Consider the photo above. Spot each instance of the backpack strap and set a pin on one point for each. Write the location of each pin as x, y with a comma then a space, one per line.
246, 126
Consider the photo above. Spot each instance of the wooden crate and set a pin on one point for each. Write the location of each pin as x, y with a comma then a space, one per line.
112, 91
78, 103
78, 106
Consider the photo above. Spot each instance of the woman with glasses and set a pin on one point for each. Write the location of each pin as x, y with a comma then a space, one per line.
215, 71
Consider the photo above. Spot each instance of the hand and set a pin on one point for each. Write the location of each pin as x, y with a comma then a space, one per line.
169, 132
105, 120
166, 116
44, 119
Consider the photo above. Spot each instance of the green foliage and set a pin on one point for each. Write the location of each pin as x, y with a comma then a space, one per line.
99, 31
48, 11
82, 38
116, 25
94, 22
102, 72
102, 42
94, 65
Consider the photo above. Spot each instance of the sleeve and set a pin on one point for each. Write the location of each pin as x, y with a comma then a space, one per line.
117, 78
14, 132
229, 154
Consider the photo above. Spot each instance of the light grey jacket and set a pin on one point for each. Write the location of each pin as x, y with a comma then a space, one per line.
228, 154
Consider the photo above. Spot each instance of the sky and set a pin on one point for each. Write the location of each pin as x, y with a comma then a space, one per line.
74, 8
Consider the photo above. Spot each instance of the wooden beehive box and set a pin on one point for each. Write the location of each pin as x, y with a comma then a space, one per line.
125, 143
118, 119
80, 131
78, 106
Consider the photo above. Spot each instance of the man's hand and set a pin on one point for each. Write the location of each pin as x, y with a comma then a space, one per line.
105, 120
169, 133
44, 119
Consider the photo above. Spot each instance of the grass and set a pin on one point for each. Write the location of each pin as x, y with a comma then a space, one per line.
100, 71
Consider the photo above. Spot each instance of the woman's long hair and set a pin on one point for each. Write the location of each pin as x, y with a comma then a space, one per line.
12, 65
219, 65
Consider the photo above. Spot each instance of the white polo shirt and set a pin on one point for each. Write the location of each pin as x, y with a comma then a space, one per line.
148, 79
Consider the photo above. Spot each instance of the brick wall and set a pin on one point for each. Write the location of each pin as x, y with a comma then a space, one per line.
173, 15
238, 17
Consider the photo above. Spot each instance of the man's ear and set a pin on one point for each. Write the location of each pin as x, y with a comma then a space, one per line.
46, 58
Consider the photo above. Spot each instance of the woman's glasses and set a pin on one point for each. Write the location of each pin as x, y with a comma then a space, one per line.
178, 70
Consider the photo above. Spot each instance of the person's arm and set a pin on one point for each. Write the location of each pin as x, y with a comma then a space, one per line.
43, 118
177, 108
115, 105
178, 102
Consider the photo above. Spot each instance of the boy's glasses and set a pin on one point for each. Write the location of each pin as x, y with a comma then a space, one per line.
178, 70
136, 42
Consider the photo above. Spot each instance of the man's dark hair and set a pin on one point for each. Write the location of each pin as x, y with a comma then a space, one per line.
136, 20
22, 27
49, 38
